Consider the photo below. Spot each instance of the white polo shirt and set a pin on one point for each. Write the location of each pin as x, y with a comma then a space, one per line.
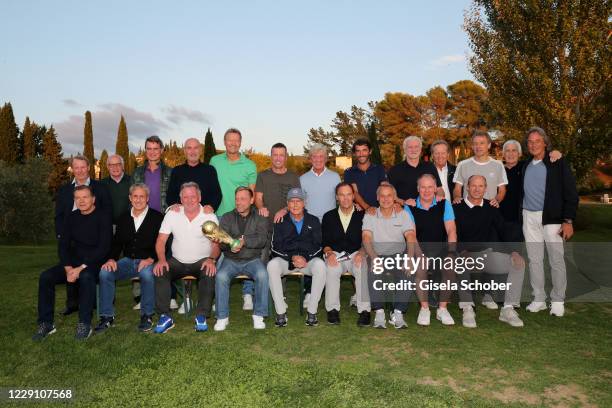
189, 245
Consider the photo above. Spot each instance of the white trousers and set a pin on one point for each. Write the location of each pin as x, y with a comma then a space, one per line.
278, 267
332, 284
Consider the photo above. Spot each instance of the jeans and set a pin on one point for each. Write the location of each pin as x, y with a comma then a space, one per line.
127, 268
56, 275
255, 270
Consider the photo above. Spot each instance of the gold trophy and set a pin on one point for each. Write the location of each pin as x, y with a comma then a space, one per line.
211, 230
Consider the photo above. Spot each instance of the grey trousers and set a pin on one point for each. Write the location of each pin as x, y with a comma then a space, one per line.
278, 267
332, 284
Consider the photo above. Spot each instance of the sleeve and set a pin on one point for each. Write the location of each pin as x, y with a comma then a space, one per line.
64, 242
278, 241
315, 244
172, 194
105, 226
166, 225
407, 223
225, 223
449, 214
407, 209
60, 214
348, 176
325, 230
252, 174
259, 183
570, 194
213, 194
458, 177
117, 245
503, 177
368, 223
257, 239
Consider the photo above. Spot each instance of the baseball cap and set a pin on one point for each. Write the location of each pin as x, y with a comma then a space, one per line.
296, 193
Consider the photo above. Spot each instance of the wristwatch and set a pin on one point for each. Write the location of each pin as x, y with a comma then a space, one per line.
568, 221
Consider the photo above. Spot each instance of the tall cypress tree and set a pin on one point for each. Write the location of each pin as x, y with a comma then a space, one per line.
29, 147
209, 146
397, 157
102, 164
121, 147
88, 147
9, 135
52, 154
38, 132
375, 156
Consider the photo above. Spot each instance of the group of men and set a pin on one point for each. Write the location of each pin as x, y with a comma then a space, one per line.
149, 227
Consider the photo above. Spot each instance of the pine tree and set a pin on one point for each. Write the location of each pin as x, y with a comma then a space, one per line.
88, 147
9, 135
28, 150
102, 164
209, 147
37, 138
121, 147
373, 138
52, 154
397, 157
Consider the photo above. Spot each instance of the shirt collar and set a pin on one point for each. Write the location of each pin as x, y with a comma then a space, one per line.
84, 184
318, 175
489, 159
344, 215
418, 202
120, 178
443, 169
142, 214
469, 203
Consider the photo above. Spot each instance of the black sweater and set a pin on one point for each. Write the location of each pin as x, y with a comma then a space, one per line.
64, 202
334, 235
136, 244
204, 175
483, 225
286, 242
86, 239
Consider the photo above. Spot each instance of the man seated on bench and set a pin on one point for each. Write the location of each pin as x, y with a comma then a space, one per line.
192, 255
296, 245
341, 250
135, 238
245, 224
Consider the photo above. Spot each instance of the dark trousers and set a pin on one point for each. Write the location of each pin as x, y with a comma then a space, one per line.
57, 275
206, 286
72, 295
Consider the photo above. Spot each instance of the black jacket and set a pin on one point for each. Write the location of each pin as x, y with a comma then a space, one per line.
255, 234
64, 202
136, 244
449, 180
561, 195
286, 242
334, 235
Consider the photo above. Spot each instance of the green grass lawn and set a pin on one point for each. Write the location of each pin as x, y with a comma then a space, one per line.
550, 362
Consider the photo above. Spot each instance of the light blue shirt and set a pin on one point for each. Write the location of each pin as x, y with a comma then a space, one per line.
449, 214
534, 186
320, 191
298, 224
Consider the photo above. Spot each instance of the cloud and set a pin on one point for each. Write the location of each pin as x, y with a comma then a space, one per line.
105, 120
177, 114
447, 60
71, 103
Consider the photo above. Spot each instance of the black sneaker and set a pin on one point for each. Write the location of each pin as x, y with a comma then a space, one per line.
281, 320
105, 323
146, 323
44, 329
333, 317
312, 320
83, 331
364, 319
68, 310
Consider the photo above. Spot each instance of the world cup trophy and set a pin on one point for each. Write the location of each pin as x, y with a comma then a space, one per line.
211, 230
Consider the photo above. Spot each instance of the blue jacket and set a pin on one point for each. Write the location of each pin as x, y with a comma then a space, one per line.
286, 242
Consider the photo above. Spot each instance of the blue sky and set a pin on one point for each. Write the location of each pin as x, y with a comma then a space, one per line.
273, 69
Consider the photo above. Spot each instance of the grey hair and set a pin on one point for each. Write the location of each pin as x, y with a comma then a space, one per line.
438, 143
540, 131
317, 147
190, 184
426, 175
191, 138
133, 187
512, 142
116, 155
411, 138
386, 184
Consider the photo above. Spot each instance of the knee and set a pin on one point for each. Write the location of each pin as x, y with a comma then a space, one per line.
261, 274
222, 276
46, 278
274, 266
146, 276
87, 277
106, 276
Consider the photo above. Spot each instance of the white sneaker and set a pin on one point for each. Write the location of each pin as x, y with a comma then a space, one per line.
557, 309
379, 319
489, 303
247, 302
509, 315
424, 317
535, 307
221, 324
469, 317
445, 317
173, 304
258, 322
397, 319
353, 301
306, 300
181, 310
136, 306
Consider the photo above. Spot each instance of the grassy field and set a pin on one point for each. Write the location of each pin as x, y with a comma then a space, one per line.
550, 362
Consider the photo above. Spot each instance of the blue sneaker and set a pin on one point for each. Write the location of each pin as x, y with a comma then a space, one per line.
200, 323
164, 324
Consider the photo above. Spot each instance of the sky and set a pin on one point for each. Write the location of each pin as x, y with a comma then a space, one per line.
273, 69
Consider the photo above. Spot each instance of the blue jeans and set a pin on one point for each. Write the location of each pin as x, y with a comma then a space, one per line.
229, 269
248, 287
127, 268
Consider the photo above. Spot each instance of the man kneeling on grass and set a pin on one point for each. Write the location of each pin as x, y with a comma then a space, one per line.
244, 259
192, 255
135, 237
83, 248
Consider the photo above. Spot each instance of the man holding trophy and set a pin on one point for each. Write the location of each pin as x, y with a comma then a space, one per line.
242, 256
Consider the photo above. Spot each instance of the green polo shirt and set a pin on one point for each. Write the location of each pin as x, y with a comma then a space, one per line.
232, 174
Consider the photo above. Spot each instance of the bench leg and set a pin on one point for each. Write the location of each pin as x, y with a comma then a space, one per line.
301, 297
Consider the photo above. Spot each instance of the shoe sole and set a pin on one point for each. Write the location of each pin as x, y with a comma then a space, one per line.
84, 338
501, 319
445, 324
490, 306
165, 331
280, 325
424, 324
469, 326
311, 324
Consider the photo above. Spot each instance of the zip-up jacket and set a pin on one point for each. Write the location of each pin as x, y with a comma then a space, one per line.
286, 242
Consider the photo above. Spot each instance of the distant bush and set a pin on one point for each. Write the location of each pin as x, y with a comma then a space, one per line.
26, 208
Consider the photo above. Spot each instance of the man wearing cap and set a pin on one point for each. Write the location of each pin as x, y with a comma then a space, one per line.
296, 246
